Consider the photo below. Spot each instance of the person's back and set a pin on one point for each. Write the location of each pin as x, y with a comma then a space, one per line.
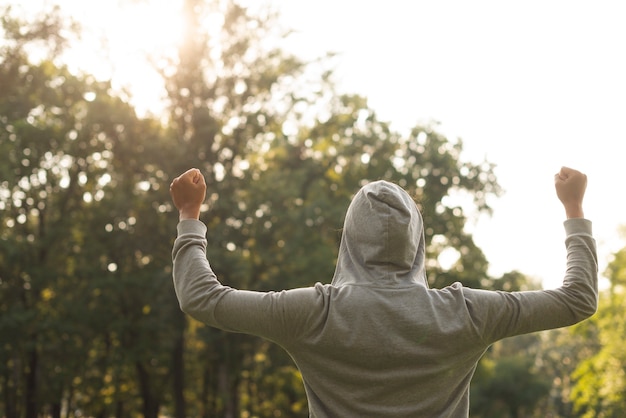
377, 342
401, 352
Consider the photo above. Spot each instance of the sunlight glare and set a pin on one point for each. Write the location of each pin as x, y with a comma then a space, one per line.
144, 32
122, 41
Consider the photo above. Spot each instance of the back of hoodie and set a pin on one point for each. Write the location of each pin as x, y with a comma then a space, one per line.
377, 342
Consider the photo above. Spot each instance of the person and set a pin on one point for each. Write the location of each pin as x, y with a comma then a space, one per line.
377, 341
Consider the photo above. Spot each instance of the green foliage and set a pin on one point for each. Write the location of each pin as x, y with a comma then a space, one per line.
77, 277
514, 378
616, 272
47, 134
600, 378
511, 388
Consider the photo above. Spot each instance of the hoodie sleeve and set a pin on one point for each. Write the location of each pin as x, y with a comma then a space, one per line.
273, 315
497, 315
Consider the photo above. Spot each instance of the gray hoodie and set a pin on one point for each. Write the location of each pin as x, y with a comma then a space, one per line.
377, 342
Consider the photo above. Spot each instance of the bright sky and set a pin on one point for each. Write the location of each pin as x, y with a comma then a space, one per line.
530, 86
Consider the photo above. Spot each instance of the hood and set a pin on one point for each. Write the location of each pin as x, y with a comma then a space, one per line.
382, 242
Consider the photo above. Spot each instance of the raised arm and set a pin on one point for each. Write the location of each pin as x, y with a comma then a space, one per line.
273, 315
498, 315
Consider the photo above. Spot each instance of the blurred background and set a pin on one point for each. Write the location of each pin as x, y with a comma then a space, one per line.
288, 107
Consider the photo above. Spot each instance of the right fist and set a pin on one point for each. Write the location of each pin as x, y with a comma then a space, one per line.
570, 188
188, 192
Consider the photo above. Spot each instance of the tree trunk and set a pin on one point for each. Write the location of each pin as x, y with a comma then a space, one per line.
178, 365
227, 391
150, 403
207, 408
119, 409
31, 385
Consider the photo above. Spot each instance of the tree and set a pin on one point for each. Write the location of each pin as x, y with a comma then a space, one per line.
83, 296
223, 107
45, 174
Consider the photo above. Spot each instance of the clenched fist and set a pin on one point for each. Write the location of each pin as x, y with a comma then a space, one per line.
188, 192
570, 187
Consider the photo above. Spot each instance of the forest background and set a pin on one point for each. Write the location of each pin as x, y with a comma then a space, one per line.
89, 325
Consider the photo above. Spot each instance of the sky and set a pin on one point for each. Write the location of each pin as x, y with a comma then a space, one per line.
529, 86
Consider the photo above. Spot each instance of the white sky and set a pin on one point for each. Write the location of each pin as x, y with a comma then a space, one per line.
530, 86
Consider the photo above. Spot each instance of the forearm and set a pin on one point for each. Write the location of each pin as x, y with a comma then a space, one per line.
581, 275
577, 298
196, 286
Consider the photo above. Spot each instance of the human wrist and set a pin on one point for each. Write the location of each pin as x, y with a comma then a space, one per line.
574, 211
193, 213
